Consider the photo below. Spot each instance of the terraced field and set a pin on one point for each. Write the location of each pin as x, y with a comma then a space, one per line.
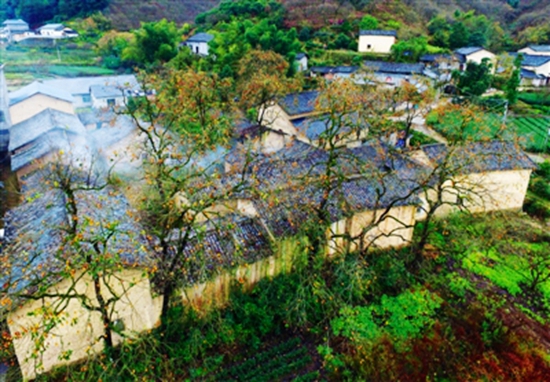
532, 131
290, 360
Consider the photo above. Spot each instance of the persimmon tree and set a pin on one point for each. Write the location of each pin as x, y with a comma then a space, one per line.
70, 242
174, 205
261, 79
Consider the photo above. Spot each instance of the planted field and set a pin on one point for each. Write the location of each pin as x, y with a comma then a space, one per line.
532, 131
289, 361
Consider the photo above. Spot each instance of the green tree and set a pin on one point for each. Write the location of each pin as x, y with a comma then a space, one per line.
475, 80
155, 42
409, 50
368, 22
512, 85
459, 37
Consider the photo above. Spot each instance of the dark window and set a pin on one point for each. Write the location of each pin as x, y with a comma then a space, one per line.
197, 49
2, 118
111, 102
86, 98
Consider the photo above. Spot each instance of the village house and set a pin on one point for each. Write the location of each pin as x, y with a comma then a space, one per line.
301, 62
376, 41
536, 69
296, 116
198, 43
395, 73
530, 78
474, 54
34, 228
56, 31
536, 50
37, 97
40, 138
15, 30
116, 87
480, 176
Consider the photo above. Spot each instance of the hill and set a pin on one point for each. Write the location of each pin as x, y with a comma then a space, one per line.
126, 14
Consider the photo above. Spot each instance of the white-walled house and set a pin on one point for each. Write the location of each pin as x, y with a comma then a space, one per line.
376, 41
538, 64
536, 50
474, 54
478, 176
301, 62
199, 43
56, 31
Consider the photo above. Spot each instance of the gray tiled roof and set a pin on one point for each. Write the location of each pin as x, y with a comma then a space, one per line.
299, 103
435, 57
52, 27
334, 69
532, 60
395, 67
81, 85
14, 22
201, 37
525, 73
30, 129
480, 156
35, 236
378, 32
226, 242
106, 91
39, 88
300, 55
466, 51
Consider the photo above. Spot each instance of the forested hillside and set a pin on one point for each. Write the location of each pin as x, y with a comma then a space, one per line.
526, 20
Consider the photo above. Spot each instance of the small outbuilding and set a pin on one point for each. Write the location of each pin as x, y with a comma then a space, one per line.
199, 43
376, 41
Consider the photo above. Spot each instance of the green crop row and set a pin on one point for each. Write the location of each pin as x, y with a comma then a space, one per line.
262, 357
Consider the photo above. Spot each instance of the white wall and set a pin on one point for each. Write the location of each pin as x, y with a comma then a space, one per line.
376, 44
534, 53
198, 47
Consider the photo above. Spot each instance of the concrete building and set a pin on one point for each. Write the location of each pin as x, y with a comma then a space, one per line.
376, 41
199, 43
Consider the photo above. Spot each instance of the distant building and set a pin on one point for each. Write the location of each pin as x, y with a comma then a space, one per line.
301, 62
376, 41
395, 73
531, 78
15, 30
80, 89
536, 50
38, 139
199, 43
537, 64
474, 54
56, 31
